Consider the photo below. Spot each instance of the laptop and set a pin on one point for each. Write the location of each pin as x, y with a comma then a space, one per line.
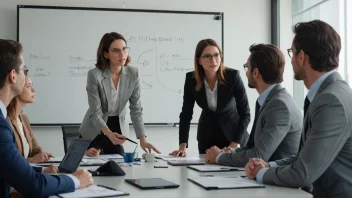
151, 183
74, 155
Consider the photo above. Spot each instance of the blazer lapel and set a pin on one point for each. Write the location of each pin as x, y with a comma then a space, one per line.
220, 100
276, 89
16, 128
330, 79
201, 97
26, 134
125, 80
106, 82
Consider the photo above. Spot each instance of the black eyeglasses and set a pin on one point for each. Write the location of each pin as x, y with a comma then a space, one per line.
25, 70
245, 67
209, 57
290, 52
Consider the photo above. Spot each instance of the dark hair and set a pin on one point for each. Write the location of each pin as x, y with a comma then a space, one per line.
199, 70
269, 60
104, 46
9, 58
320, 42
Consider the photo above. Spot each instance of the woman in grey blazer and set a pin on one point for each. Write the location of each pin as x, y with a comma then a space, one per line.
109, 87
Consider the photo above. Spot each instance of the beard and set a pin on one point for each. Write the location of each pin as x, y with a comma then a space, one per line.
251, 84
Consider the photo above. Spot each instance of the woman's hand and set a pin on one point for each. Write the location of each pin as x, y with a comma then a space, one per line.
40, 157
93, 152
116, 138
180, 152
146, 146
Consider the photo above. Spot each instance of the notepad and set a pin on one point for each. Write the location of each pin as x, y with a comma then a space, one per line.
214, 168
214, 183
93, 191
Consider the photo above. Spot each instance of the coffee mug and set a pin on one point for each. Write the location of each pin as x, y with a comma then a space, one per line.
128, 157
149, 157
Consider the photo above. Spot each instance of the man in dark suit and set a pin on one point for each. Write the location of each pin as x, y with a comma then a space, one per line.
15, 171
325, 156
277, 125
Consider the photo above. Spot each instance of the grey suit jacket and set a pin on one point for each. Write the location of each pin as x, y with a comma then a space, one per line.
99, 98
277, 132
326, 156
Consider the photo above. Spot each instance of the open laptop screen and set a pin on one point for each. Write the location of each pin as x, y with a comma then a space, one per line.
74, 156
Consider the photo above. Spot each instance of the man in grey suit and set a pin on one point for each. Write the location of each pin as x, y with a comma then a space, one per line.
277, 125
325, 156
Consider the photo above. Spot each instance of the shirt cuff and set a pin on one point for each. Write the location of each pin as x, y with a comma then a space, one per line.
260, 175
273, 164
218, 157
75, 180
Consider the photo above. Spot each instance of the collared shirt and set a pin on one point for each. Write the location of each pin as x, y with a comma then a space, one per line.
316, 85
212, 96
3, 109
311, 94
114, 98
74, 179
261, 99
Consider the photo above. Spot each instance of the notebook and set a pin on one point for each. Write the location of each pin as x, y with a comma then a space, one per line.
74, 156
214, 183
214, 168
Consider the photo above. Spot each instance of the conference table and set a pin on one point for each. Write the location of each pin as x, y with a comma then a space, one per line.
179, 175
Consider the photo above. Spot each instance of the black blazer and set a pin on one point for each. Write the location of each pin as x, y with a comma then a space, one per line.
232, 112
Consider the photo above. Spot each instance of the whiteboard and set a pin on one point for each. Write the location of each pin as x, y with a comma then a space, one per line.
60, 44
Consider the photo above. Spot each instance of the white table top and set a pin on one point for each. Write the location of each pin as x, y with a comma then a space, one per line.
179, 175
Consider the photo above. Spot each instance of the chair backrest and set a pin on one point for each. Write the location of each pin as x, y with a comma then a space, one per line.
69, 132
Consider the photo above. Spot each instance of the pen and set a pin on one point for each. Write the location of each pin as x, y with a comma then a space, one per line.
129, 140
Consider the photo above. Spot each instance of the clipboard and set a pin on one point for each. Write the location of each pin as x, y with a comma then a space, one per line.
217, 183
93, 192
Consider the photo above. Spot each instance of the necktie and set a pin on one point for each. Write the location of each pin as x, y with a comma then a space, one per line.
305, 108
250, 143
306, 105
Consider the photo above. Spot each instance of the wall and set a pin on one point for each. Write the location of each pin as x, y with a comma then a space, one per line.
245, 22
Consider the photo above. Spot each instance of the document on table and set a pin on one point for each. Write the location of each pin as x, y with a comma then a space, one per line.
93, 191
214, 168
213, 183
173, 158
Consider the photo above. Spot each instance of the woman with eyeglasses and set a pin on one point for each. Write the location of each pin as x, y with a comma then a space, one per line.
109, 87
26, 143
220, 92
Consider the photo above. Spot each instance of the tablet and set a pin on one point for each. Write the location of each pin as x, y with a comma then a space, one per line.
152, 183
74, 156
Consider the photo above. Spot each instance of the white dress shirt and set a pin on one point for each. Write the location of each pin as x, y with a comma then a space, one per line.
24, 140
114, 96
212, 96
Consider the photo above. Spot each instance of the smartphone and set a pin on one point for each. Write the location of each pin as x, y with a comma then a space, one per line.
161, 167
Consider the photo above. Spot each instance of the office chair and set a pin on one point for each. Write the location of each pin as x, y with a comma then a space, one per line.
69, 132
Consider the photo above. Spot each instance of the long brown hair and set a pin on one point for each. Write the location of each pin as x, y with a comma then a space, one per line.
11, 108
198, 69
104, 46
